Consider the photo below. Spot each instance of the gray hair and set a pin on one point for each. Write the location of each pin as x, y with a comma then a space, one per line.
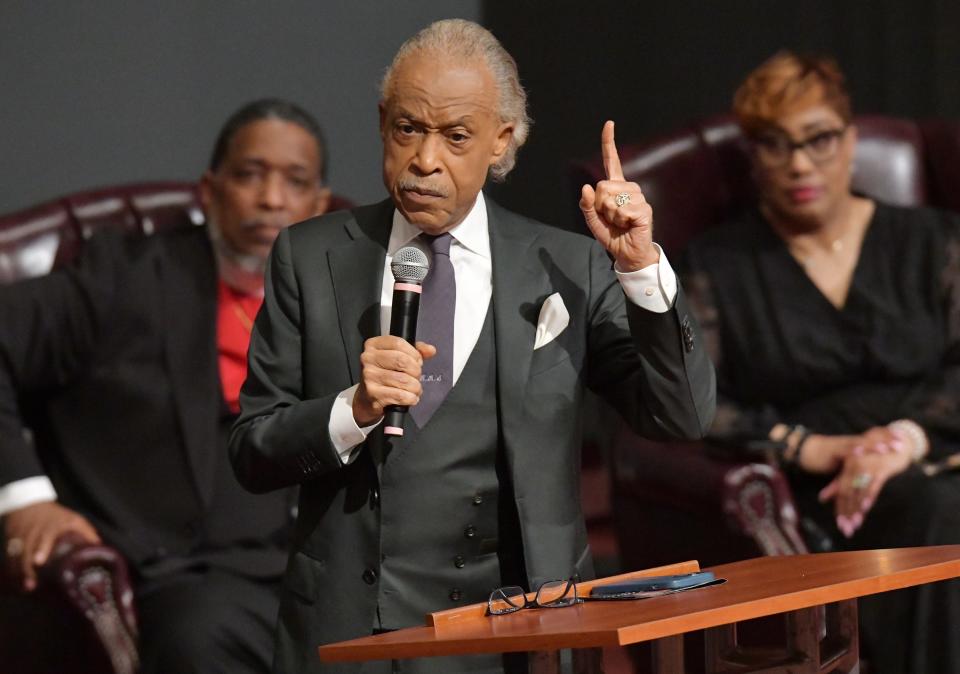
465, 40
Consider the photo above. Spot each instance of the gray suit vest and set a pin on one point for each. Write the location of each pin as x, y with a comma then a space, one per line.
442, 501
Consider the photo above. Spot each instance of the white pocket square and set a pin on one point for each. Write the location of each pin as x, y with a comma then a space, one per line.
553, 320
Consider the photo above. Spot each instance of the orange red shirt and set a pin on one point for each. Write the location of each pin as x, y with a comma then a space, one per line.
235, 314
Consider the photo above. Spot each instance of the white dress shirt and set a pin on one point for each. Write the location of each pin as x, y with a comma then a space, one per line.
653, 288
21, 493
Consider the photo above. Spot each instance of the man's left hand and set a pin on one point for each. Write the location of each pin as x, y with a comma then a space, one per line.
617, 213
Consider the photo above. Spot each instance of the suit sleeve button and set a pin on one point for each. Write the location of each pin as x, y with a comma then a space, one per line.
369, 576
459, 561
470, 531
478, 499
455, 594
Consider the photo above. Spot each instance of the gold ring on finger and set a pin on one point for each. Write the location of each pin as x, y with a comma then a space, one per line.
14, 547
622, 199
861, 481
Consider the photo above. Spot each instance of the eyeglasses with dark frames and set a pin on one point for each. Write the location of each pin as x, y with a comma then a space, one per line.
550, 594
775, 149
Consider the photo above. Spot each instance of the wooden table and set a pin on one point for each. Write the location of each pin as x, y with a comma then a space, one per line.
820, 638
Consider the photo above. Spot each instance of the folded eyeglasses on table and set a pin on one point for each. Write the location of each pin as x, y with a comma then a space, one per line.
563, 593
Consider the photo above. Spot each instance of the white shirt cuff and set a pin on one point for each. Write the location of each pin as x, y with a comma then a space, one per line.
345, 435
25, 492
652, 288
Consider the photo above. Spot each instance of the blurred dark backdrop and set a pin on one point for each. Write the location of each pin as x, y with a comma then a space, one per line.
652, 66
97, 92
103, 92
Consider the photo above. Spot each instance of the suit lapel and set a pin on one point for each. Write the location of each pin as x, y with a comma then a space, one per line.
357, 274
188, 287
519, 281
356, 270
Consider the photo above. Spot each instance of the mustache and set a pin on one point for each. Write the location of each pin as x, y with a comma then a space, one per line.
422, 186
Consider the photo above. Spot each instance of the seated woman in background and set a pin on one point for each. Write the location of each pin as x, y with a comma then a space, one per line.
836, 325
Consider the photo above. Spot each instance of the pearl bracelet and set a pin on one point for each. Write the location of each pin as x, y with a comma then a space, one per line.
914, 434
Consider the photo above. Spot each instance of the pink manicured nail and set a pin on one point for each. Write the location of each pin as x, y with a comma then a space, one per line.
882, 448
897, 433
898, 446
858, 450
866, 503
856, 520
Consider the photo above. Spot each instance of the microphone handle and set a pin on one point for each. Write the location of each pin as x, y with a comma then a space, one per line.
403, 323
406, 308
393, 419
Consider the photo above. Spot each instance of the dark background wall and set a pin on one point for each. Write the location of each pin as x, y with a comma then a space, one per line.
103, 92
653, 66
98, 92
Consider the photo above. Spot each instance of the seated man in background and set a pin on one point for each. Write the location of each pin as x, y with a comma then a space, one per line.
133, 359
836, 325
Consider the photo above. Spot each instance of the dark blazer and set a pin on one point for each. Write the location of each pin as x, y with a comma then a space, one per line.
322, 302
114, 362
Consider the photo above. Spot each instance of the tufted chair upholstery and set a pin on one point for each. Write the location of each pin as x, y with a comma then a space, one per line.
690, 500
82, 618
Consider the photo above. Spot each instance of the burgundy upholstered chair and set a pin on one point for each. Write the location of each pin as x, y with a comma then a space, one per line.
81, 618
689, 500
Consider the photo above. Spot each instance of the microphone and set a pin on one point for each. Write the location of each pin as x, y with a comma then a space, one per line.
409, 267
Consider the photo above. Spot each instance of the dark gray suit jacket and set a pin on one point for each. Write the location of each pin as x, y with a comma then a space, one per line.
116, 358
322, 302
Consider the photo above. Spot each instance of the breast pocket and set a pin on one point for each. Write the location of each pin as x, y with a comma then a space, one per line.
553, 355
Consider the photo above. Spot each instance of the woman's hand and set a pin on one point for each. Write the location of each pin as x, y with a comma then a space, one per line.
878, 456
824, 454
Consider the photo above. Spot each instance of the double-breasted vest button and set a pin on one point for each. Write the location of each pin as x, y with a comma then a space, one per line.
369, 576
459, 561
470, 531
455, 594
478, 499
375, 498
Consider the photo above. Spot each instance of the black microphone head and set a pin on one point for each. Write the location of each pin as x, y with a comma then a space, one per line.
410, 265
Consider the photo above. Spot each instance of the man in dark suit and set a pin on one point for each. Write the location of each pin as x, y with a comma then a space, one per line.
482, 488
133, 359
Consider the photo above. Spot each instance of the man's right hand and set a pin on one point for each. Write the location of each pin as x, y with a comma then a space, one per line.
390, 375
31, 532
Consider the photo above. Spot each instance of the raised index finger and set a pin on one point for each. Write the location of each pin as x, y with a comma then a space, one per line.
611, 160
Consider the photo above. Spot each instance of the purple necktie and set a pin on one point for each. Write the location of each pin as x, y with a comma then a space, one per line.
435, 326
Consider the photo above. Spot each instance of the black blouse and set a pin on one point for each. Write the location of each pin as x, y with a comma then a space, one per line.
784, 353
